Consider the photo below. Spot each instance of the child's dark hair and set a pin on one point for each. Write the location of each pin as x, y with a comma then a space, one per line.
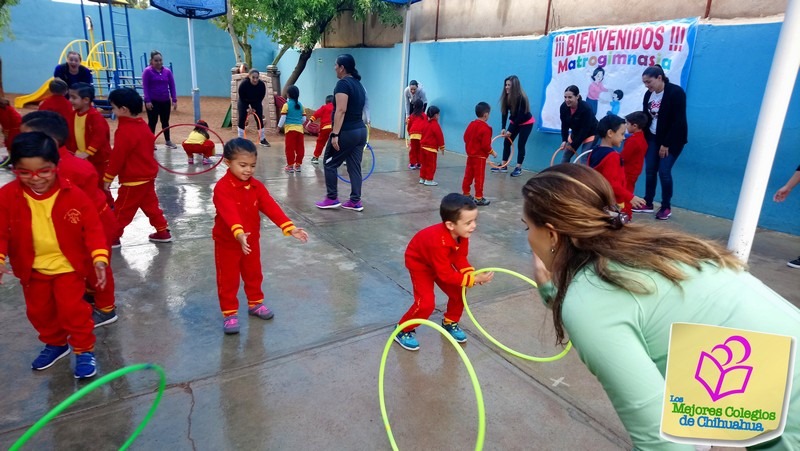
127, 98
417, 107
58, 87
201, 127
33, 145
238, 145
433, 110
609, 122
49, 122
329, 99
294, 94
637, 118
482, 108
598, 70
655, 72
619, 94
453, 204
83, 90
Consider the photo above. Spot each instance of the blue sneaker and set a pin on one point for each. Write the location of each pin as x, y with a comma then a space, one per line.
407, 340
516, 172
85, 365
49, 355
455, 331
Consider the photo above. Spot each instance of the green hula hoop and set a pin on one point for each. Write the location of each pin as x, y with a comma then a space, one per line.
464, 358
491, 338
91, 387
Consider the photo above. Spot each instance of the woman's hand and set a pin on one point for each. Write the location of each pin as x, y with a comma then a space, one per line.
540, 273
174, 106
781, 194
335, 143
663, 151
149, 106
637, 202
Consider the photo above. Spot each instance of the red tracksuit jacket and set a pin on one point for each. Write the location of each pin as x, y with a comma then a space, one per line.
478, 139
97, 135
81, 173
416, 124
433, 250
607, 162
60, 105
78, 229
633, 152
325, 116
10, 120
432, 137
133, 158
238, 205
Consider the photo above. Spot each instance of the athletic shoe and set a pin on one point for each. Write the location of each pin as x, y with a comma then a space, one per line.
261, 311
49, 355
264, 143
421, 181
190, 161
407, 340
646, 209
116, 244
207, 161
297, 168
663, 213
160, 237
85, 365
794, 263
431, 183
289, 169
328, 203
230, 325
171, 145
314, 160
455, 331
412, 166
417, 166
504, 170
482, 202
355, 206
494, 170
102, 318
516, 172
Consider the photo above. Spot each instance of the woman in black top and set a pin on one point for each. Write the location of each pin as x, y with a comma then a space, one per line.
348, 135
665, 105
515, 108
72, 71
251, 95
576, 115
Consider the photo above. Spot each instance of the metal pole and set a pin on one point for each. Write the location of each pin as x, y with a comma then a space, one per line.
401, 129
780, 84
195, 89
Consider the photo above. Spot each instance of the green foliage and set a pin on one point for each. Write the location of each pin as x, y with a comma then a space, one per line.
5, 18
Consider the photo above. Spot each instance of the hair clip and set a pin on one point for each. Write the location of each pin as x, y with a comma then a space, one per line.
616, 218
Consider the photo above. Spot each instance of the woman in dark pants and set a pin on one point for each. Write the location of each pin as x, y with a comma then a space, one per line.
348, 135
160, 97
665, 105
576, 116
515, 108
251, 96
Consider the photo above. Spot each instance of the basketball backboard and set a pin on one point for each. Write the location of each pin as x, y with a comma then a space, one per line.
194, 9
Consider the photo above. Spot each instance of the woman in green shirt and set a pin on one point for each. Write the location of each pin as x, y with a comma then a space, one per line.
617, 288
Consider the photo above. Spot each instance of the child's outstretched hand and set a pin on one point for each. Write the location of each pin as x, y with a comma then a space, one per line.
484, 277
637, 202
300, 235
494, 154
3, 270
100, 272
242, 239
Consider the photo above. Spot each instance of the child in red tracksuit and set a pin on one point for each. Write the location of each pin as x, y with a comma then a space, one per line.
478, 141
199, 142
9, 121
325, 116
51, 233
606, 161
292, 118
89, 134
239, 199
438, 255
82, 175
134, 161
415, 124
432, 141
57, 101
635, 148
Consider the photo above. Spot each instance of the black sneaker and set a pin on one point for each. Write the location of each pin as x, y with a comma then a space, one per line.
264, 143
101, 318
794, 263
482, 202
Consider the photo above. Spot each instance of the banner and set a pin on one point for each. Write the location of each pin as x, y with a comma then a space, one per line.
606, 65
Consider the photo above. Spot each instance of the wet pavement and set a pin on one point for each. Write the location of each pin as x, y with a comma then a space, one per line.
308, 379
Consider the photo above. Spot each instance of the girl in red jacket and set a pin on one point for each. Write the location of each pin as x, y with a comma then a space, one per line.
325, 116
432, 141
415, 123
606, 161
239, 198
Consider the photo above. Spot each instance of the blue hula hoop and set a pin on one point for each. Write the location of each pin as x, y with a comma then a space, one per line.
371, 169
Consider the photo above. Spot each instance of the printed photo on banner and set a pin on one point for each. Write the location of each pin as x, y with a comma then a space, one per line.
726, 387
606, 65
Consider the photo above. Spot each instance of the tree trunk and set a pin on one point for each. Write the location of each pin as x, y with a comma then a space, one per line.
305, 55
248, 54
280, 54
237, 50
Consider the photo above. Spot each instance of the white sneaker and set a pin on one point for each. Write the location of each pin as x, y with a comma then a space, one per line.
421, 181
431, 183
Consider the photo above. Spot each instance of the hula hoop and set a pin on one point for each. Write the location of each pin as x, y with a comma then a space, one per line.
492, 339
211, 168
372, 167
577, 159
464, 358
501, 166
5, 162
258, 123
553, 158
162, 383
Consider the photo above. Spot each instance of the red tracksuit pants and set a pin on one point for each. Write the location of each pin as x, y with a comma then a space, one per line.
131, 198
207, 149
413, 151
322, 141
475, 170
104, 299
428, 161
425, 300
233, 266
100, 168
56, 309
295, 148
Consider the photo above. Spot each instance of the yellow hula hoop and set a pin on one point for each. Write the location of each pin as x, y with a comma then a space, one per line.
491, 338
464, 358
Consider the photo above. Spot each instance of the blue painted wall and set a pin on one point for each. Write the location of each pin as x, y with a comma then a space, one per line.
42, 29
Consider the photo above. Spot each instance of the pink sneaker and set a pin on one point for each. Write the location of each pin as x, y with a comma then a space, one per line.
328, 203
297, 168
230, 325
261, 311
289, 169
161, 237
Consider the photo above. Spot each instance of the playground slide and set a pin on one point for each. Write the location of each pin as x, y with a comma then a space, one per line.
36, 96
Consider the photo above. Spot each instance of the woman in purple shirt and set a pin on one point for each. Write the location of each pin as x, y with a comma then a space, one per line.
159, 94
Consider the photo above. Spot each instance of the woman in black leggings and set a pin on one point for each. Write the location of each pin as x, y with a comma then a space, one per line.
515, 108
160, 97
251, 95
